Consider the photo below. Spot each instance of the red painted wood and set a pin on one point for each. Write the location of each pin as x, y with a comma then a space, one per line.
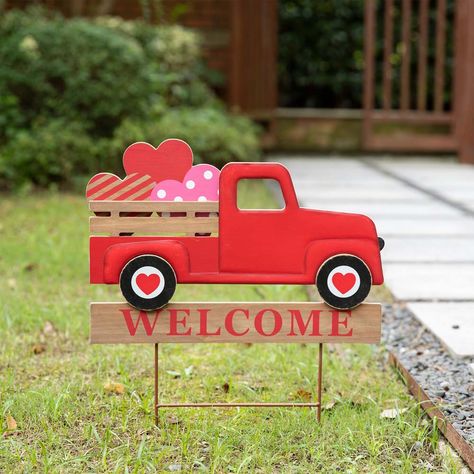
145, 166
172, 159
257, 246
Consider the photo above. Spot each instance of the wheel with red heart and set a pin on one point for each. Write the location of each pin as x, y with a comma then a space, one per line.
343, 281
147, 282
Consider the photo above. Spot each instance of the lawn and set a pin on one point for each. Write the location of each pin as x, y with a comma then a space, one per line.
82, 408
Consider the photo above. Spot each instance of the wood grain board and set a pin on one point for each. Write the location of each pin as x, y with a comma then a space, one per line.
266, 322
153, 206
117, 217
152, 225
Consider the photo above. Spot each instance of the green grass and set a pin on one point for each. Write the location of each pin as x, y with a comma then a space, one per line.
67, 422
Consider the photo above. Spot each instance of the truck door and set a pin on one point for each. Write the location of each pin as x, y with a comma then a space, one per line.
258, 241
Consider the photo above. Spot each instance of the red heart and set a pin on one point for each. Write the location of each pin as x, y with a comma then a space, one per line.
344, 283
148, 283
171, 160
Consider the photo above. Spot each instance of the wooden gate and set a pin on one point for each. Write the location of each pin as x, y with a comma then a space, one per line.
387, 89
253, 77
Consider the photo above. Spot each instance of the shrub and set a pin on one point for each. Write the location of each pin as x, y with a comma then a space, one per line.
11, 118
175, 52
74, 70
98, 72
51, 153
215, 136
172, 46
75, 93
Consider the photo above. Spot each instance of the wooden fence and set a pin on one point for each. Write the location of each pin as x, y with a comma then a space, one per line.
241, 41
455, 118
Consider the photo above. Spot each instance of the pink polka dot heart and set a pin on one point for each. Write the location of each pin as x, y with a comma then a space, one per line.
201, 183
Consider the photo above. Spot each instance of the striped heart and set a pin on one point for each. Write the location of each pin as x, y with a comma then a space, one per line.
109, 187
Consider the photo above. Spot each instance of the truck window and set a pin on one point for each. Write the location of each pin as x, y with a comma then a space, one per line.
263, 194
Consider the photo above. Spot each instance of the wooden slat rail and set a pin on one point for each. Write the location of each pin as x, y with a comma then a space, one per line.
422, 55
440, 55
153, 206
152, 225
413, 116
406, 55
369, 69
464, 79
405, 142
147, 217
387, 55
388, 97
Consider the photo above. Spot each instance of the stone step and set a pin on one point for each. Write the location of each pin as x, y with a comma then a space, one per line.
448, 227
430, 281
452, 323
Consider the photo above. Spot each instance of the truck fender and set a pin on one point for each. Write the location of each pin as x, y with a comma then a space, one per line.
117, 256
366, 249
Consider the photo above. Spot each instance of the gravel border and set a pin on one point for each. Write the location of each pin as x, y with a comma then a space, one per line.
448, 381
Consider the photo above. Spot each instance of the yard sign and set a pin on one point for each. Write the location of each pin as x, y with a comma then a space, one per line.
169, 222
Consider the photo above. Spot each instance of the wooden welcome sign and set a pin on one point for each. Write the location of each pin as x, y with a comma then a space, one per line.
169, 222
113, 323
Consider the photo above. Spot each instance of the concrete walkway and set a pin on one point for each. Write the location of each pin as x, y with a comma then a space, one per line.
424, 209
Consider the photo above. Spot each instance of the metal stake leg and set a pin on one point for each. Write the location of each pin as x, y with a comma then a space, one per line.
156, 384
320, 379
254, 404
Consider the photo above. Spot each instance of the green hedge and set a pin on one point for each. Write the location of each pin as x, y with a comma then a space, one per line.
75, 93
320, 52
216, 136
55, 152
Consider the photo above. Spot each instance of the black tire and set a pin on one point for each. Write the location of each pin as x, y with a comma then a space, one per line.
343, 292
152, 290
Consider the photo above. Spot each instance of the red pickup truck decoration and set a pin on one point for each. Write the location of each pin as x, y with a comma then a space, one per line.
169, 222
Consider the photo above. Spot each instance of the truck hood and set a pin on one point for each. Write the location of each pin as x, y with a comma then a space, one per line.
340, 225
